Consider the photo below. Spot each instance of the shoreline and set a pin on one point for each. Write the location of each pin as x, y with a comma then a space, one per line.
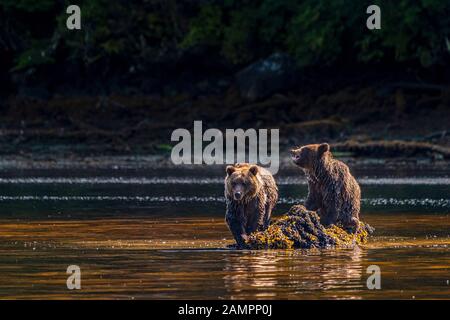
50, 161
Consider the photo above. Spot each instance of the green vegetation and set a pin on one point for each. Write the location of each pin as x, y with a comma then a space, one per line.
137, 34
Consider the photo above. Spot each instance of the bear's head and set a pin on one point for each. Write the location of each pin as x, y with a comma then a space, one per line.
305, 157
242, 182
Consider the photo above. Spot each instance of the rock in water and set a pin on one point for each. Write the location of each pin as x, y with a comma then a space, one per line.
301, 229
266, 77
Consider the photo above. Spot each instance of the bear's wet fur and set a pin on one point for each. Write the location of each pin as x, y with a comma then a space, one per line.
250, 193
332, 190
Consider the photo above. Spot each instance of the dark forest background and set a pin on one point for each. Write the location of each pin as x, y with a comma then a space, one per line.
139, 69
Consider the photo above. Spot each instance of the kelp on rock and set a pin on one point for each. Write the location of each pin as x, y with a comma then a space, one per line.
301, 229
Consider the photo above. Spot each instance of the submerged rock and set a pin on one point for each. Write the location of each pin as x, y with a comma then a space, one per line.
301, 229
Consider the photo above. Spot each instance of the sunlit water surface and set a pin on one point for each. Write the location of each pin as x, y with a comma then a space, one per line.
161, 235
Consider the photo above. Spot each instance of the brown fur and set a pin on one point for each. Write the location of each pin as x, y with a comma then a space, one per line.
332, 190
258, 195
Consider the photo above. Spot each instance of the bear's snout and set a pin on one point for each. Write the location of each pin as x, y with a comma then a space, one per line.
238, 195
295, 155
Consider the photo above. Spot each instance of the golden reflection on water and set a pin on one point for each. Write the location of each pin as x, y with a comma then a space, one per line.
187, 258
289, 271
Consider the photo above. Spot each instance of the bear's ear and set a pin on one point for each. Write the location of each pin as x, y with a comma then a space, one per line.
324, 147
254, 170
229, 170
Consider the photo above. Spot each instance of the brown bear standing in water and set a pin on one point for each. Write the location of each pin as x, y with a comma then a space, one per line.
332, 190
251, 194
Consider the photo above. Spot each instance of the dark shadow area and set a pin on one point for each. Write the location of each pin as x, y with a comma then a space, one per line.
138, 70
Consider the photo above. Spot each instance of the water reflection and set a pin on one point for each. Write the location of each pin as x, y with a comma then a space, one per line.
163, 238
265, 274
176, 259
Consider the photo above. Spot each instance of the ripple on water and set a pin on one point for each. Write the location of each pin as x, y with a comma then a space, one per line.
424, 202
288, 180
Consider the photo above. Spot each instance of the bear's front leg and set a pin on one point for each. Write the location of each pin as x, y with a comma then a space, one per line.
329, 214
256, 213
236, 224
267, 215
313, 199
238, 231
351, 224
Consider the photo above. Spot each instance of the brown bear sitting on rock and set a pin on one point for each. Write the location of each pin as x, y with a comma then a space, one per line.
251, 194
332, 190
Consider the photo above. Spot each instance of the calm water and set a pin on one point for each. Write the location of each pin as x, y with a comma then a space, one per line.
161, 235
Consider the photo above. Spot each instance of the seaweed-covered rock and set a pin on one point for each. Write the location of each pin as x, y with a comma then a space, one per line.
301, 229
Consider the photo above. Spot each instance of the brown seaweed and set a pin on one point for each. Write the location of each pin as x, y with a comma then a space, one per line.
301, 229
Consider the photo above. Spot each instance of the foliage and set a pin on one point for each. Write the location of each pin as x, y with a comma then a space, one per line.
35, 56
324, 32
144, 32
27, 5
